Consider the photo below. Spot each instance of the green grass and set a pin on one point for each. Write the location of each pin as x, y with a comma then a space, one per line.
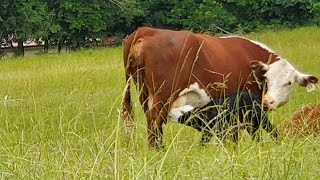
59, 119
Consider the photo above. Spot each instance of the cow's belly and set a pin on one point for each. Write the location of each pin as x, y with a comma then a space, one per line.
188, 99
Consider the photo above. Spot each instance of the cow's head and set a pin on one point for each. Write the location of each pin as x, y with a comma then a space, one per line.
281, 78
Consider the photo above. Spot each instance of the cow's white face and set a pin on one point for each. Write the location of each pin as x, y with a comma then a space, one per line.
281, 78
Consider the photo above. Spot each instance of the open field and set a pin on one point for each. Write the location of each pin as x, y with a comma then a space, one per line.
59, 119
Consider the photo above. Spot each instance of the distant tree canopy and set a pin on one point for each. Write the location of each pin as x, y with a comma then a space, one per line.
71, 22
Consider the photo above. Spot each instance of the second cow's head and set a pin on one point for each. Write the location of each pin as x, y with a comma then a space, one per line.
280, 78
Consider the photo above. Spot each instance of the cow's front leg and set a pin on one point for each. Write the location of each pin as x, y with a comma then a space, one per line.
154, 134
156, 116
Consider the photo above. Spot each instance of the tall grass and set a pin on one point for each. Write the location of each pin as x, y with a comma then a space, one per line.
59, 119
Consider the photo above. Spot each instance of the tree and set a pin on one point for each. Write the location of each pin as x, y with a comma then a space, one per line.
251, 13
156, 12
25, 19
81, 20
203, 16
125, 17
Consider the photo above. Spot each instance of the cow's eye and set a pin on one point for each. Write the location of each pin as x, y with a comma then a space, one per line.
289, 83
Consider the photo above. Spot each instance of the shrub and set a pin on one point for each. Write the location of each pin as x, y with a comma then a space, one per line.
316, 13
253, 14
204, 16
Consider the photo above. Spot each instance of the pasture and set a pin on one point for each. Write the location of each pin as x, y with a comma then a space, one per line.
60, 119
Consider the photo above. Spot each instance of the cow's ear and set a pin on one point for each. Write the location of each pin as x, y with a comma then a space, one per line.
259, 68
307, 81
258, 65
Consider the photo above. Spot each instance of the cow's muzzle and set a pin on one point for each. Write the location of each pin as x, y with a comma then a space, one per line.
269, 103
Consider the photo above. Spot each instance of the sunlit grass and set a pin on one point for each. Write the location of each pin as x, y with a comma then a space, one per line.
60, 120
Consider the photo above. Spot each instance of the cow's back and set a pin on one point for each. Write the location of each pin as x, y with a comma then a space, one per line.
164, 57
223, 66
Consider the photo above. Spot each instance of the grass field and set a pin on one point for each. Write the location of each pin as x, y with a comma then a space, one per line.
59, 119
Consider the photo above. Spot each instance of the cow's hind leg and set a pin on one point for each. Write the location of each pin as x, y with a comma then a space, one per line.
156, 116
127, 107
143, 98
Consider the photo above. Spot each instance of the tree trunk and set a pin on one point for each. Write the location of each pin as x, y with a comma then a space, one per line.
59, 47
20, 49
46, 45
1, 52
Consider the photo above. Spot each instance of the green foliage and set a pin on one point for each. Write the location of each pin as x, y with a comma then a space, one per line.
316, 13
80, 19
91, 19
25, 19
156, 12
201, 16
229, 15
123, 17
253, 14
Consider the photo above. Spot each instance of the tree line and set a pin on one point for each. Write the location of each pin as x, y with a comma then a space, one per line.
73, 22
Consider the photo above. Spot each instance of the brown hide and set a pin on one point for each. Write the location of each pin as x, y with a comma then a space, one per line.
164, 62
304, 121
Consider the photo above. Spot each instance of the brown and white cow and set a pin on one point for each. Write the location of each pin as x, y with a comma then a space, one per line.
177, 71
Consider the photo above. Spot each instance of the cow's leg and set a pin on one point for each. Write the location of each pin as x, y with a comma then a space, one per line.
221, 129
267, 125
156, 116
206, 136
208, 125
252, 124
228, 132
221, 136
143, 97
234, 133
154, 134
263, 121
253, 131
232, 128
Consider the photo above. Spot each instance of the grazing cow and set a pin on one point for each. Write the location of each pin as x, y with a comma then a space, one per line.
304, 121
226, 115
177, 68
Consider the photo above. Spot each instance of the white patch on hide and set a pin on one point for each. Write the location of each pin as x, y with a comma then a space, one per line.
263, 46
193, 96
188, 99
175, 113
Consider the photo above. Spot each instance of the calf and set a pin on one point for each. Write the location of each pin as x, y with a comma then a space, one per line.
226, 115
304, 121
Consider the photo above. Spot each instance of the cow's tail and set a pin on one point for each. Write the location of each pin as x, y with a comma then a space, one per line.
127, 112
127, 106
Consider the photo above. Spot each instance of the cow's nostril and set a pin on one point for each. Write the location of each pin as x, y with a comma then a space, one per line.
269, 101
